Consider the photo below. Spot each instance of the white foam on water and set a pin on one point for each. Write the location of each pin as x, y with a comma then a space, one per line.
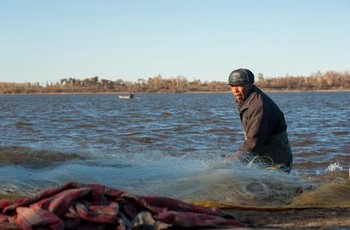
334, 167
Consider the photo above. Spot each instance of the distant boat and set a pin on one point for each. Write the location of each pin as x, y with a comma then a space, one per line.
131, 96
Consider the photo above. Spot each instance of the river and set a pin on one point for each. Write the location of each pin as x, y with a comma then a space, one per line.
167, 144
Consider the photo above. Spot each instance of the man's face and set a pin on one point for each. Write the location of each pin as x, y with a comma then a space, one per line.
240, 92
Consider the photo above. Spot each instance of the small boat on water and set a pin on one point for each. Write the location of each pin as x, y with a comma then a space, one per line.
131, 96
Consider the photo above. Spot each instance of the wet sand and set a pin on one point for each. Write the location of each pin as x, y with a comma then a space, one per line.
316, 218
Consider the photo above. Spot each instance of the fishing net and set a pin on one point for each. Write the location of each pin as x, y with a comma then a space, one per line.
257, 188
211, 181
326, 196
248, 186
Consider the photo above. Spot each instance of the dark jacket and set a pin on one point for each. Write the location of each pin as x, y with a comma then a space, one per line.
262, 120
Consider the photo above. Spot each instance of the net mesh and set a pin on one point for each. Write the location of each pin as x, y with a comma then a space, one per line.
257, 188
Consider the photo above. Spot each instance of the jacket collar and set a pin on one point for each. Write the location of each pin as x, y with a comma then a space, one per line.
245, 104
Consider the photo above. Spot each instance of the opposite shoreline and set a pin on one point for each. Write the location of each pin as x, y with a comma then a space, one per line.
194, 92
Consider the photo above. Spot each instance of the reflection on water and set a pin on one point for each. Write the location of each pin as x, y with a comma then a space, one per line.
157, 143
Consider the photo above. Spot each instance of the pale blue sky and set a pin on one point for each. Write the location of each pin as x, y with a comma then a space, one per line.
46, 40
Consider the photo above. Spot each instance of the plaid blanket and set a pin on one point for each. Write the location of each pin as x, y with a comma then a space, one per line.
94, 206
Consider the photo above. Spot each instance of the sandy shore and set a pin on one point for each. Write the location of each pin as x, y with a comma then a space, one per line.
316, 218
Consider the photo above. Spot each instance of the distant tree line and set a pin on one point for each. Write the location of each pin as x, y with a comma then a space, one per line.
331, 80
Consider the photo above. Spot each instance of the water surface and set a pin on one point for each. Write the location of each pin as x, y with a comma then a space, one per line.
168, 144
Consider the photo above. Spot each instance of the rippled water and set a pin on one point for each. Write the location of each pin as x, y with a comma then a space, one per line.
156, 143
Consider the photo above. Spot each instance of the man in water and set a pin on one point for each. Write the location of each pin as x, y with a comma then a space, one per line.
266, 139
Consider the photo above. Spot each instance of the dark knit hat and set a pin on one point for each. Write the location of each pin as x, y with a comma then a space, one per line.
241, 77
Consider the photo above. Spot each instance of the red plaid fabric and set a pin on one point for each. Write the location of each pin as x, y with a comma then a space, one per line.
81, 206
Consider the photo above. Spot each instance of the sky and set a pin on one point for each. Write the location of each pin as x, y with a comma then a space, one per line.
47, 40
